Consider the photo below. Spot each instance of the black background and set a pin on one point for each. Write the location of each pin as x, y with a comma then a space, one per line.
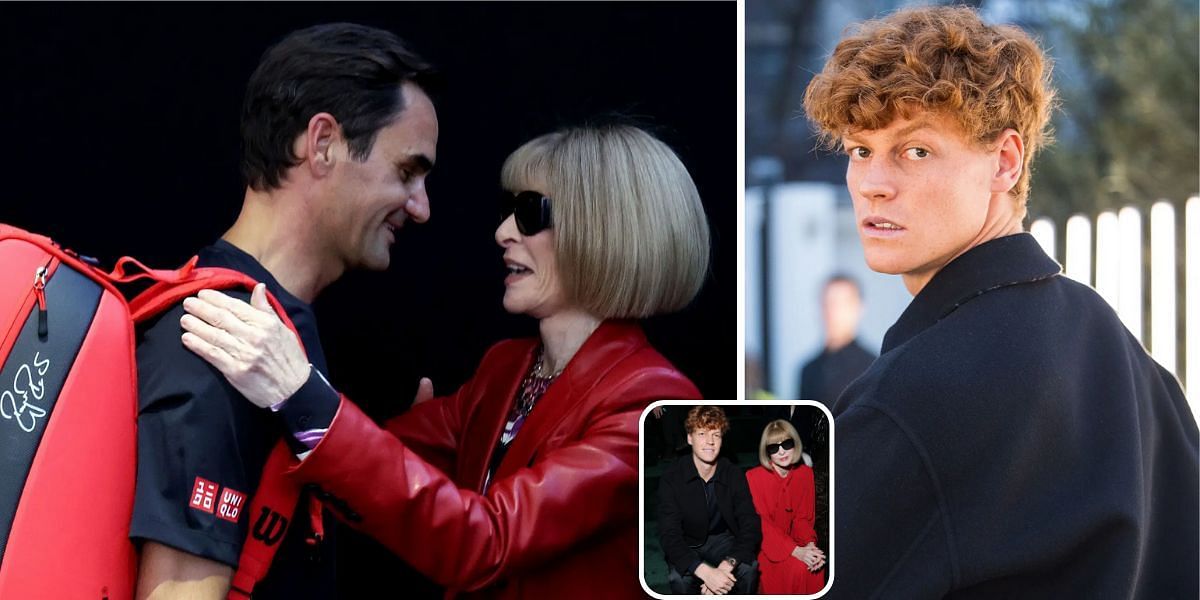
120, 136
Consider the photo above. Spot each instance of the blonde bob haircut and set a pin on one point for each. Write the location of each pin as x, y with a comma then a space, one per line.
776, 431
631, 238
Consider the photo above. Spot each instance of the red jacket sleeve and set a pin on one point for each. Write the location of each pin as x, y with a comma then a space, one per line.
806, 509
777, 545
431, 429
466, 540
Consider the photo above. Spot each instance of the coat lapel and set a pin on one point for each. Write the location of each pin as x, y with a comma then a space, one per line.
610, 343
497, 392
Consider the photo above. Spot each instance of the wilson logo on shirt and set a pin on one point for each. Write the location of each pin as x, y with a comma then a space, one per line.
230, 507
204, 495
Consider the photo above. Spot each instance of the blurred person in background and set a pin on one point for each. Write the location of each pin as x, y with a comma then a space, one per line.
670, 426
843, 358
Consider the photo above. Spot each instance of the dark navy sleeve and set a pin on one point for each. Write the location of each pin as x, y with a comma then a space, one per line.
749, 535
308, 413
201, 449
670, 523
892, 536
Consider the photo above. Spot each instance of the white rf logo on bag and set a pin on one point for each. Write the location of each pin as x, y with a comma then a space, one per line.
26, 414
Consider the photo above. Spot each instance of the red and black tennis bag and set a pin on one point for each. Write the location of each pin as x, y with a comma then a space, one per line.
68, 421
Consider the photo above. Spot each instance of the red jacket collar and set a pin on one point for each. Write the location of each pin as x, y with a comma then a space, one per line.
606, 347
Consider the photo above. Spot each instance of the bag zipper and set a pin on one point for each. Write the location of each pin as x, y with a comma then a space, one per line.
39, 291
36, 296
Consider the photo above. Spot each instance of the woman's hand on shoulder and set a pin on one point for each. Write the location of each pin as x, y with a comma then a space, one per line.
247, 343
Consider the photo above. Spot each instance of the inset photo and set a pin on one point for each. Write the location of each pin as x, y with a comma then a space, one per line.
736, 498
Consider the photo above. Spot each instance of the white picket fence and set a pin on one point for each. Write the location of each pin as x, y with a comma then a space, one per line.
1115, 257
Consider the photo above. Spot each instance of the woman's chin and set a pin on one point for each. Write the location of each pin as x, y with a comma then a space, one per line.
513, 305
517, 307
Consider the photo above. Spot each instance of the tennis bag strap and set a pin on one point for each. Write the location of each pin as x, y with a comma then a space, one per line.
275, 500
271, 508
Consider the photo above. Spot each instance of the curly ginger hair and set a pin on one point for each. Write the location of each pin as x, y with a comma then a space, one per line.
942, 60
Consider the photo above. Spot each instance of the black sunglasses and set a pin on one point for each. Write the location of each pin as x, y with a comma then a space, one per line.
531, 209
787, 444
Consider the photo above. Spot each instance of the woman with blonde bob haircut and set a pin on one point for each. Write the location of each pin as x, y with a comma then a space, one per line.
627, 208
523, 483
785, 499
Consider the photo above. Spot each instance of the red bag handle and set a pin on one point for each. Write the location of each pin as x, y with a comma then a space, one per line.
119, 273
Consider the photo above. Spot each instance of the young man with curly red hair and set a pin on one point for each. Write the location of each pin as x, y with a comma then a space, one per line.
707, 525
1013, 439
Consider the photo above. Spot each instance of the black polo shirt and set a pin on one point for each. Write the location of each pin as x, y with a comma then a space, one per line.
1013, 440
199, 438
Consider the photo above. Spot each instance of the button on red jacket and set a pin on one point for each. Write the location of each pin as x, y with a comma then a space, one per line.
560, 516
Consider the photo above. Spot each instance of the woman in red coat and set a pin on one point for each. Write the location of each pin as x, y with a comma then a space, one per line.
523, 483
785, 499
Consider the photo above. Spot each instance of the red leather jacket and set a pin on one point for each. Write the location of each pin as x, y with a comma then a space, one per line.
560, 516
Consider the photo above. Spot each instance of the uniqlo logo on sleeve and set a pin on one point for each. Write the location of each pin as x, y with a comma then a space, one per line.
230, 507
204, 495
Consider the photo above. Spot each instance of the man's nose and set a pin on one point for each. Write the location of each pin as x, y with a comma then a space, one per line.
876, 179
417, 206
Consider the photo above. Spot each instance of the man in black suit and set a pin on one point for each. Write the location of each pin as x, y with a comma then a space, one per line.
707, 524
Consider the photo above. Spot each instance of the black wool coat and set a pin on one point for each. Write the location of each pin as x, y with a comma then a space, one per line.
1014, 440
683, 512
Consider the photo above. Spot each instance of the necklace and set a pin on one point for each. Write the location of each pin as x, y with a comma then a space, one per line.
534, 385
539, 367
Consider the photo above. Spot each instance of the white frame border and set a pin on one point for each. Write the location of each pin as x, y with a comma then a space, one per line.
642, 491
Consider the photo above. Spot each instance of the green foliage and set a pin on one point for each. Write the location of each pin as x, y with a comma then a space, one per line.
1129, 126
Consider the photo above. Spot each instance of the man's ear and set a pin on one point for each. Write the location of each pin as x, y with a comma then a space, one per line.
315, 147
1011, 161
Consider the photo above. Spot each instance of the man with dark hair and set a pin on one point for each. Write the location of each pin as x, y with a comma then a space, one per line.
1013, 440
339, 133
707, 525
843, 358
